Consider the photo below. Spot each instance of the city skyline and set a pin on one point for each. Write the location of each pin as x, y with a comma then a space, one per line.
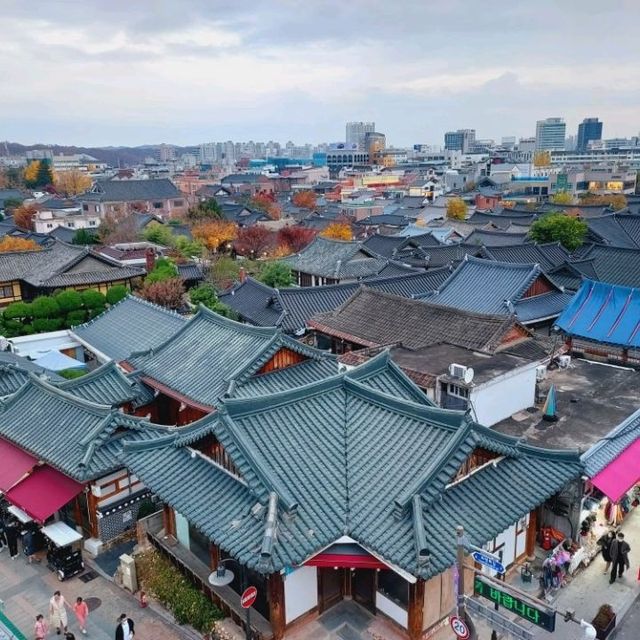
196, 72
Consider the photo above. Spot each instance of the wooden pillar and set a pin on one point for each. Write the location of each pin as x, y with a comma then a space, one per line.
92, 505
214, 556
416, 609
532, 532
169, 521
276, 605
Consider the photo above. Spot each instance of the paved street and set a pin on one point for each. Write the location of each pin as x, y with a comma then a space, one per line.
26, 589
629, 628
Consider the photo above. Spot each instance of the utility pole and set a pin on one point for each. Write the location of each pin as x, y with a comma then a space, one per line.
494, 633
461, 609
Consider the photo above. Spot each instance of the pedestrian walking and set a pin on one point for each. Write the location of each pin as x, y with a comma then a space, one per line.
41, 628
125, 628
619, 557
3, 538
605, 544
58, 613
29, 545
11, 532
81, 610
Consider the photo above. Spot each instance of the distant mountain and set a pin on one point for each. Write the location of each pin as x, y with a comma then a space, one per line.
113, 156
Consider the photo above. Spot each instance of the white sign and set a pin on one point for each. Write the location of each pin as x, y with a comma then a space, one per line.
459, 627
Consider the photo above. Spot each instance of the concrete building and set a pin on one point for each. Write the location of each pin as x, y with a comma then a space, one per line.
356, 131
589, 129
550, 134
460, 140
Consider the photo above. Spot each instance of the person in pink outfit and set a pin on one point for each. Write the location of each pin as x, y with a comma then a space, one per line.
82, 613
41, 627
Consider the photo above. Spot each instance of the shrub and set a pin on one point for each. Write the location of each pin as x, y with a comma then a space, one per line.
164, 269
116, 293
277, 274
45, 307
42, 325
93, 300
72, 374
74, 318
68, 301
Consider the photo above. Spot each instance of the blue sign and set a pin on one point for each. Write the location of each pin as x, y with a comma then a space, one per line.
488, 560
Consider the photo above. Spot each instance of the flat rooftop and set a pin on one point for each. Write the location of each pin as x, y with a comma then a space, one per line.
592, 399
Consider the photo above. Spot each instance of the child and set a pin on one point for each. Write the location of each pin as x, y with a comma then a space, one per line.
82, 612
41, 628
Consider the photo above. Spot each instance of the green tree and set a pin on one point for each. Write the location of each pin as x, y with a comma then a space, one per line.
164, 269
84, 237
116, 293
277, 275
94, 302
558, 227
188, 248
159, 234
74, 318
206, 210
68, 301
223, 272
206, 295
46, 314
562, 197
44, 177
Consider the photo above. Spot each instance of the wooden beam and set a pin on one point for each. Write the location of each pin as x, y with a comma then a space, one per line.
416, 609
214, 556
532, 530
277, 605
168, 521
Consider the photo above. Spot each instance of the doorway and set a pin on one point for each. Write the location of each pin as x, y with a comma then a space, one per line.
363, 588
330, 587
336, 584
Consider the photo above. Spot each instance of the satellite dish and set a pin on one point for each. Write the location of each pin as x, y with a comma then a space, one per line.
468, 375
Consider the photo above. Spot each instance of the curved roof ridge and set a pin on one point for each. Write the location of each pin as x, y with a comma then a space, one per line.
96, 374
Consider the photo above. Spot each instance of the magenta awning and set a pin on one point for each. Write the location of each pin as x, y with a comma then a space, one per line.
620, 474
15, 464
43, 492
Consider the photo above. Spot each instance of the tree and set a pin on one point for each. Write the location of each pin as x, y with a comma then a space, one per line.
68, 301
186, 248
116, 228
277, 275
542, 159
30, 173
94, 302
266, 203
338, 231
167, 293
253, 241
562, 197
23, 216
205, 294
558, 227
223, 272
71, 183
159, 234
116, 293
44, 175
617, 201
456, 209
206, 210
215, 234
84, 237
295, 238
305, 199
10, 244
164, 269
46, 314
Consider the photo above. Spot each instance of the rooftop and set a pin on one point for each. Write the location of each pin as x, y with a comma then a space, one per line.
131, 190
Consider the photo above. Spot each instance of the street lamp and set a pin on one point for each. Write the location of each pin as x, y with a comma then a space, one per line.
222, 577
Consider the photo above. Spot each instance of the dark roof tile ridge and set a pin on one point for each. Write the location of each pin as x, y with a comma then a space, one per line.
521, 266
149, 444
96, 374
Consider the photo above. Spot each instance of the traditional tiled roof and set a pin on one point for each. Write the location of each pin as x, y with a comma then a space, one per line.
337, 259
494, 238
74, 435
190, 271
615, 265
447, 254
618, 230
131, 190
547, 255
373, 318
502, 220
291, 308
130, 325
211, 356
106, 385
612, 445
485, 286
381, 472
604, 313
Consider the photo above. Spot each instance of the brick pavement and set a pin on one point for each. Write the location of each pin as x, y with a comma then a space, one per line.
26, 589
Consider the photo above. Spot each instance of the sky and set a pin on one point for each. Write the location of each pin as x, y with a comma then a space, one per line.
96, 73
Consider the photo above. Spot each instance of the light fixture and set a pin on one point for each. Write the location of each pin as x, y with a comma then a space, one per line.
221, 577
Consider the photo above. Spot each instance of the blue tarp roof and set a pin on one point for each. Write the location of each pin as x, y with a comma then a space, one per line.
56, 361
604, 313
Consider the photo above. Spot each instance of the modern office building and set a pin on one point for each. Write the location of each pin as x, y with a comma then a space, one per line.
460, 140
356, 132
589, 129
550, 134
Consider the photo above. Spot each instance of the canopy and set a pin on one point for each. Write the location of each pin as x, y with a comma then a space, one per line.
20, 514
16, 464
56, 361
61, 534
352, 556
620, 474
43, 492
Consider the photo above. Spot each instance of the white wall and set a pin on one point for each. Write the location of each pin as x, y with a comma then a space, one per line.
182, 530
390, 608
505, 395
300, 592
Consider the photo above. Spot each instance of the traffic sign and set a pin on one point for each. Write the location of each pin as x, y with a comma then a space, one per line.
488, 560
459, 627
248, 597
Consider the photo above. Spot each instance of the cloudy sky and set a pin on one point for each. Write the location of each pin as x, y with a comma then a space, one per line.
90, 72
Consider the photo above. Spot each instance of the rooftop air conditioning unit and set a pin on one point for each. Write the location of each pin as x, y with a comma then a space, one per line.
564, 361
541, 373
457, 371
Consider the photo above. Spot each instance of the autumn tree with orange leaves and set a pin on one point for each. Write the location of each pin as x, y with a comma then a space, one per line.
71, 183
338, 231
13, 243
295, 239
305, 199
266, 202
23, 216
216, 233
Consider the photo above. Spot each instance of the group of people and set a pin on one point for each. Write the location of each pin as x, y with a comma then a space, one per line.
615, 553
59, 621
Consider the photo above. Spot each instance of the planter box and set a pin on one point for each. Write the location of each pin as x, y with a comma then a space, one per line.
602, 633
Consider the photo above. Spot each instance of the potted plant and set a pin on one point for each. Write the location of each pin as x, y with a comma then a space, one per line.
604, 622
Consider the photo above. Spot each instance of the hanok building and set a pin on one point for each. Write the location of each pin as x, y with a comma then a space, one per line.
25, 275
326, 261
118, 197
502, 288
349, 488
211, 357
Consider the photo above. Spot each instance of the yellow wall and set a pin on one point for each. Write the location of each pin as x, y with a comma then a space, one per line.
16, 292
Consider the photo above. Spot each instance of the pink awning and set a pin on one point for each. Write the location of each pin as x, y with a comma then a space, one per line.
15, 464
620, 474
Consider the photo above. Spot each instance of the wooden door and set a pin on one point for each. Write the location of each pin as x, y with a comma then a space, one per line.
363, 588
330, 587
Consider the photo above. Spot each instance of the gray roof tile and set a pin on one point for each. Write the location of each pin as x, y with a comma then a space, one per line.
130, 190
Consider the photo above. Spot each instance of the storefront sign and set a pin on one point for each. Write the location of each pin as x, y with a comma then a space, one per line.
488, 560
530, 611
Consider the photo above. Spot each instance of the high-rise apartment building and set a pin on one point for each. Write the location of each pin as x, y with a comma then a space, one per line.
460, 140
356, 132
550, 134
589, 129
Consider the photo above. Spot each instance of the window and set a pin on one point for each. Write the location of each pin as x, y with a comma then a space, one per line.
49, 225
391, 585
157, 205
178, 203
6, 291
92, 223
71, 225
85, 207
457, 391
